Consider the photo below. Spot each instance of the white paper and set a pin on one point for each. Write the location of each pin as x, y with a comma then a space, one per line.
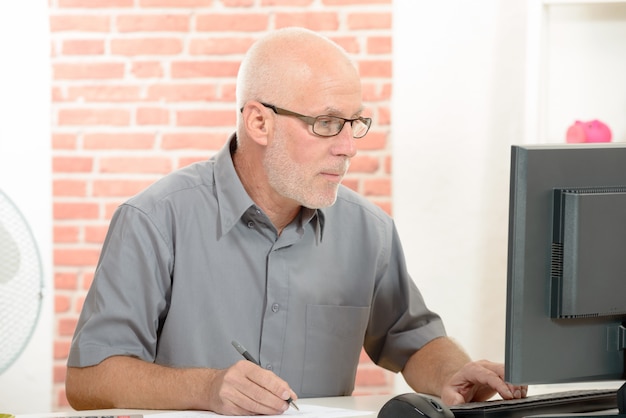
306, 411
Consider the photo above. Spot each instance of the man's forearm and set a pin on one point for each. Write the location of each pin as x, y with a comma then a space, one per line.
126, 382
430, 367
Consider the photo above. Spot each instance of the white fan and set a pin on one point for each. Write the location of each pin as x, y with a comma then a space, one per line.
21, 283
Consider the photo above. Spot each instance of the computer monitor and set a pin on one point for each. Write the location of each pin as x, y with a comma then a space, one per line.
566, 278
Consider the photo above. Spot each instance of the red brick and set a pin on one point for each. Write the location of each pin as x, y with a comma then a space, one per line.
375, 68
202, 141
375, 91
65, 233
152, 23
76, 256
154, 165
384, 116
74, 188
350, 183
176, 3
87, 71
152, 116
182, 92
386, 90
83, 117
61, 303
99, 4
349, 43
119, 141
146, 46
237, 3
379, 45
147, 69
364, 164
74, 210
119, 188
219, 46
72, 164
291, 3
238, 22
374, 140
103, 93
61, 349
354, 2
57, 94
59, 372
206, 118
317, 21
228, 92
388, 164
80, 23
63, 141
371, 376
192, 69
82, 47
65, 281
360, 21
66, 326
377, 187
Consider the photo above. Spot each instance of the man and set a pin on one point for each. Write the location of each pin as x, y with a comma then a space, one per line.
262, 245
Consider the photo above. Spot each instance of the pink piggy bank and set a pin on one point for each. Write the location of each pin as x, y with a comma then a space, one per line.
593, 131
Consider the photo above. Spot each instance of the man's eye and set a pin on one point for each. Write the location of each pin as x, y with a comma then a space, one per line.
325, 122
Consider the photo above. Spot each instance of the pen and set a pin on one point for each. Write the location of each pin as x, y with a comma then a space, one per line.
242, 350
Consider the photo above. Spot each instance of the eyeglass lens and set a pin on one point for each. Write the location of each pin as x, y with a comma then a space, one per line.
331, 126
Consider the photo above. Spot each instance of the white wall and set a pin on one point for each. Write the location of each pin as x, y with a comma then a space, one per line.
25, 177
458, 100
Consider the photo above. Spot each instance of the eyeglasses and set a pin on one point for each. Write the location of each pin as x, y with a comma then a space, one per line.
327, 125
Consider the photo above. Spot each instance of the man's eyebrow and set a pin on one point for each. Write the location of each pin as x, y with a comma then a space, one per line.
332, 111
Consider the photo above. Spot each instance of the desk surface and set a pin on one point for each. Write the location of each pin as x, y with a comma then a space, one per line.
358, 403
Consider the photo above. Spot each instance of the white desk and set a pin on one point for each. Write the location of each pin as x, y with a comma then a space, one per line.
358, 403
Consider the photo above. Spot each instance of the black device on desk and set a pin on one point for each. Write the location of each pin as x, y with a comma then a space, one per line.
414, 405
566, 276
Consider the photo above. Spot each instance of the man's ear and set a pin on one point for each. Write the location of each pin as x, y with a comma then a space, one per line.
257, 121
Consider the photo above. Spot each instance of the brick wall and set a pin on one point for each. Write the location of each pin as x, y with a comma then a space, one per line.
143, 87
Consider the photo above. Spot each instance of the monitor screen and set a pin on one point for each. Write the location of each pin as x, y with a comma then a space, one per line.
566, 277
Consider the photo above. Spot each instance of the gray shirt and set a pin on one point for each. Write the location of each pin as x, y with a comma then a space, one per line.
191, 264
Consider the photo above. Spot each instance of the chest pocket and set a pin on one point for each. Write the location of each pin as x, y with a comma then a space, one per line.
334, 338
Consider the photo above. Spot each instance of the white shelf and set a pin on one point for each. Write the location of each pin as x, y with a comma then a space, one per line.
576, 68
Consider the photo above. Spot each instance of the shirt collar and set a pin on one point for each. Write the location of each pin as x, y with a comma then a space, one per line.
234, 201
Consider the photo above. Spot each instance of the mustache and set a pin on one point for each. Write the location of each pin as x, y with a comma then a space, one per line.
340, 168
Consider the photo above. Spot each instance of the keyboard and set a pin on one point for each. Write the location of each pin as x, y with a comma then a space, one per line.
571, 401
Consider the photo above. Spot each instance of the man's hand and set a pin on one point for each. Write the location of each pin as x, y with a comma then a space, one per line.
130, 383
247, 389
478, 381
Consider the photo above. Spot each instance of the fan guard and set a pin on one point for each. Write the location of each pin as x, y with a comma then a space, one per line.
21, 283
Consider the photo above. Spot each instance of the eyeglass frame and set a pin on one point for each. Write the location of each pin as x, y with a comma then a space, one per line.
311, 120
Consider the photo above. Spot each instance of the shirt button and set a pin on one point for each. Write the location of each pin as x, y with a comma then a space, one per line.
268, 366
275, 307
250, 224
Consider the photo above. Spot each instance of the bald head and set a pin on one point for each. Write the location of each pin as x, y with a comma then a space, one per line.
278, 66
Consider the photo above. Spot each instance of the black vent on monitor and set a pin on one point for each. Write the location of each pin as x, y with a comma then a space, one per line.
556, 277
556, 264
